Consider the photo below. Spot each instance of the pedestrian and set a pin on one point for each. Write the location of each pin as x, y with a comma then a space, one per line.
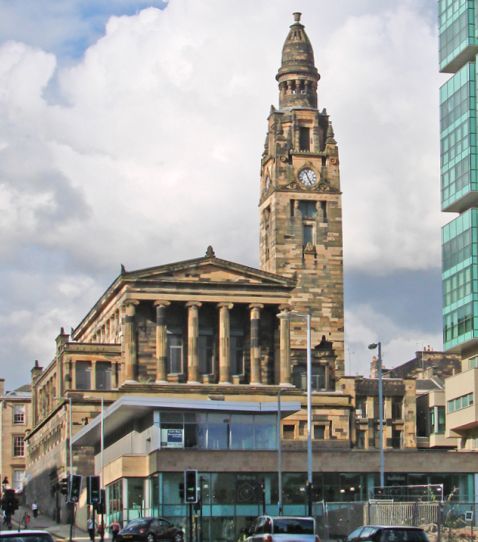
101, 531
26, 520
91, 529
35, 509
115, 529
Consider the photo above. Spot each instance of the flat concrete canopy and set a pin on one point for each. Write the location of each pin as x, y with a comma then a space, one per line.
127, 408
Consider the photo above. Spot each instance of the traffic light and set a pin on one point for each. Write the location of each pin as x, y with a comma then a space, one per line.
93, 495
64, 486
191, 486
74, 487
101, 506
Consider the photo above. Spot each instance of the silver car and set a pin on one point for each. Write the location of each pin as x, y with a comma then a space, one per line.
282, 529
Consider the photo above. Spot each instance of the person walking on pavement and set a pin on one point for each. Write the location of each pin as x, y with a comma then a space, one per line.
115, 529
35, 509
90, 525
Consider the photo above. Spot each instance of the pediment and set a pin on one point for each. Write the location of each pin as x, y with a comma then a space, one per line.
207, 270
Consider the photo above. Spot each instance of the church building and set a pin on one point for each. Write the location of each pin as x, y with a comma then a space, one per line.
196, 364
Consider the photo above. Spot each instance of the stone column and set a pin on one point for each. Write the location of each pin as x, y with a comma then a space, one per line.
193, 334
284, 375
73, 374
93, 375
224, 343
255, 377
129, 338
161, 341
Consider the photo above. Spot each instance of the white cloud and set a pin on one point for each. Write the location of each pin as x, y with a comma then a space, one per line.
150, 150
399, 343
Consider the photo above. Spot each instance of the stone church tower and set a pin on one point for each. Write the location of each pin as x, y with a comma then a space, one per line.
300, 199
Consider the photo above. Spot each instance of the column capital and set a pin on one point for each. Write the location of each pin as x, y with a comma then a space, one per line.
193, 304
225, 305
161, 303
256, 306
130, 304
285, 307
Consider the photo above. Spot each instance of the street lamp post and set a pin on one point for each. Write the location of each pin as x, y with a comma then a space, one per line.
306, 317
378, 346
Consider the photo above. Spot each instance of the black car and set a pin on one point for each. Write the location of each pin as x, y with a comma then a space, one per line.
26, 535
150, 530
387, 533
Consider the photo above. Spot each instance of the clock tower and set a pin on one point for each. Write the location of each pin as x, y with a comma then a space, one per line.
300, 199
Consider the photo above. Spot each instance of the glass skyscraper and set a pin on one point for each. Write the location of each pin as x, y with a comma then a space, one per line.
458, 32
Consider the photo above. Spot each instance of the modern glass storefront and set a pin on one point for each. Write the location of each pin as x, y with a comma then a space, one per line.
231, 500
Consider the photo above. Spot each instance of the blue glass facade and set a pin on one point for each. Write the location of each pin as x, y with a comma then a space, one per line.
459, 171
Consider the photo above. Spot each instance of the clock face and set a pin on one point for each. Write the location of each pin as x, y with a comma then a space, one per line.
307, 177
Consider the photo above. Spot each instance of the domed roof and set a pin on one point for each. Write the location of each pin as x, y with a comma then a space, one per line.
297, 53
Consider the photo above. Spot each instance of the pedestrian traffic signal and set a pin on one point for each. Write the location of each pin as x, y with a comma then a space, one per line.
101, 506
93, 495
74, 487
191, 486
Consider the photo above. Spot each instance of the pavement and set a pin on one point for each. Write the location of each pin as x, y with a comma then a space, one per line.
60, 531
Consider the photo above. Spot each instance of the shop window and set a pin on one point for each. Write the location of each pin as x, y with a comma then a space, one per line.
103, 375
83, 375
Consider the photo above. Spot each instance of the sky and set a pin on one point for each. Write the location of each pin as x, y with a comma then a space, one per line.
131, 133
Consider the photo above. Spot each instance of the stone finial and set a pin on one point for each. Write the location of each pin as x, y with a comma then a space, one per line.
123, 269
297, 15
330, 135
210, 252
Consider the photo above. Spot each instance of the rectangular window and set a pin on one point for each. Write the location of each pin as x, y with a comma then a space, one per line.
288, 432
206, 354
308, 209
304, 138
18, 478
473, 362
83, 375
397, 411
460, 402
319, 432
175, 354
308, 231
441, 419
237, 354
18, 446
18, 414
361, 440
103, 375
